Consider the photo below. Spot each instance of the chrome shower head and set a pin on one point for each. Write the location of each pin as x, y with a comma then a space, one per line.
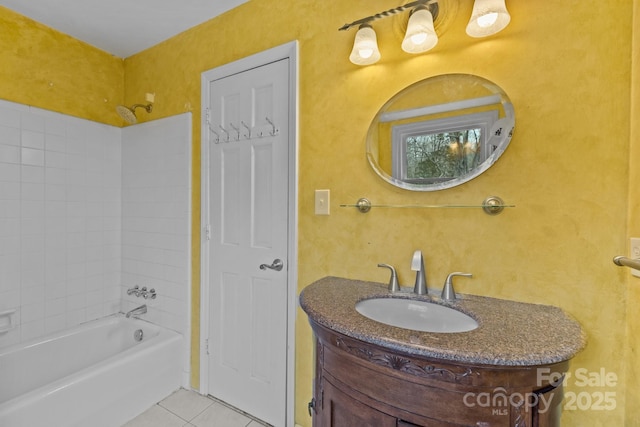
129, 114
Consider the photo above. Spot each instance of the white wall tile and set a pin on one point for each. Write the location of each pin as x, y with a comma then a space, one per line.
10, 113
55, 124
9, 190
154, 251
10, 172
55, 143
56, 160
67, 186
31, 330
9, 136
32, 312
55, 277
32, 156
32, 174
30, 191
32, 139
9, 154
55, 323
33, 121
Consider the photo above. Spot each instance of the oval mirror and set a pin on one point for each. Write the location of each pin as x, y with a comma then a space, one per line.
440, 132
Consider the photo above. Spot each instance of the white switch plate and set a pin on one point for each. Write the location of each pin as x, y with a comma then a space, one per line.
323, 202
635, 253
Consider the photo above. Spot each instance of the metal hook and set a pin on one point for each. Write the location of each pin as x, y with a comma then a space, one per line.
236, 129
248, 135
225, 131
274, 132
217, 141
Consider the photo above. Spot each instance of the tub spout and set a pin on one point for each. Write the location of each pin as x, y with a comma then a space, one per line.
137, 311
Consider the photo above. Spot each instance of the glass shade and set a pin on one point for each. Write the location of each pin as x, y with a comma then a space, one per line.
488, 17
420, 35
365, 47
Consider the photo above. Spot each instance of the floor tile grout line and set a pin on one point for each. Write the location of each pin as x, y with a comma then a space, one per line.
239, 411
189, 397
171, 412
212, 400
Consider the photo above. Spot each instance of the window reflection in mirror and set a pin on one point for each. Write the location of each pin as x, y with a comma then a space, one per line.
440, 132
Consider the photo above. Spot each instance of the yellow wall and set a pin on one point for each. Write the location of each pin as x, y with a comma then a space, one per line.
568, 74
44, 68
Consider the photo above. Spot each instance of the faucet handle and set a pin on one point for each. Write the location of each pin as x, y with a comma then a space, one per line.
151, 293
448, 294
393, 280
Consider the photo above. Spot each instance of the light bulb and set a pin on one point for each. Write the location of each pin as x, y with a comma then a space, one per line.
420, 35
488, 17
419, 38
365, 47
365, 53
487, 20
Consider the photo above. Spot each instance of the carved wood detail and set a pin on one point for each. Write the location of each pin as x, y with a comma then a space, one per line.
520, 421
402, 364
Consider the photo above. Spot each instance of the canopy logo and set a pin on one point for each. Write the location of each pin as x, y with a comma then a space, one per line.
597, 394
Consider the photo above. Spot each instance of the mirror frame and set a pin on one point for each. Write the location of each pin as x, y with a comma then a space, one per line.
500, 135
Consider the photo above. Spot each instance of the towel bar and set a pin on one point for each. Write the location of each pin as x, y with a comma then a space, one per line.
492, 205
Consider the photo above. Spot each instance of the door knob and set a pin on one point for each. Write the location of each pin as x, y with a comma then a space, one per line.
276, 265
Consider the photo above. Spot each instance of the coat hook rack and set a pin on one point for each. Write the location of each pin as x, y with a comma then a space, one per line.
239, 133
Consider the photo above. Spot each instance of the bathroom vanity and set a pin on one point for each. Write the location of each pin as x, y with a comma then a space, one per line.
506, 372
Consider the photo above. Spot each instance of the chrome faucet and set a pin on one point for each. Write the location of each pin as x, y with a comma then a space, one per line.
448, 294
417, 265
393, 280
137, 311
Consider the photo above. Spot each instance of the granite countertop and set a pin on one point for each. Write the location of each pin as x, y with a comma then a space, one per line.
509, 333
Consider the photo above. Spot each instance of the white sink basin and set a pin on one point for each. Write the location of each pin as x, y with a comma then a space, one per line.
415, 315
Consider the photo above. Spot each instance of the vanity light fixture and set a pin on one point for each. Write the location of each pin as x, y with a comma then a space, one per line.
365, 47
420, 35
488, 17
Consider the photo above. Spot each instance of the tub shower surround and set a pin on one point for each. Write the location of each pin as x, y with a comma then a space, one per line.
83, 220
156, 211
88, 211
60, 221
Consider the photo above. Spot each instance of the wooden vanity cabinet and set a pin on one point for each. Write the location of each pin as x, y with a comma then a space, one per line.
358, 384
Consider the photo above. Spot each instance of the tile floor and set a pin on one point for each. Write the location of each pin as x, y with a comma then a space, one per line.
189, 409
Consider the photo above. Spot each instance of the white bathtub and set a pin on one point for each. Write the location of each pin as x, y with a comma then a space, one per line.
94, 375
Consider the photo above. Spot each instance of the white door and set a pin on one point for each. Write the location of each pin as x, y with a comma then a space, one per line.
248, 207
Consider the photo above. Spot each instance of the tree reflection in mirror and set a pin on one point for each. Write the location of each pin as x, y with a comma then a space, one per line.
441, 156
434, 151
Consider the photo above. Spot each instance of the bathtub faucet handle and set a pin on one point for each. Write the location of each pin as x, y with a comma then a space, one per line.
134, 290
151, 293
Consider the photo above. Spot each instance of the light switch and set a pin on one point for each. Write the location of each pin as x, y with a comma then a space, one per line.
323, 204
